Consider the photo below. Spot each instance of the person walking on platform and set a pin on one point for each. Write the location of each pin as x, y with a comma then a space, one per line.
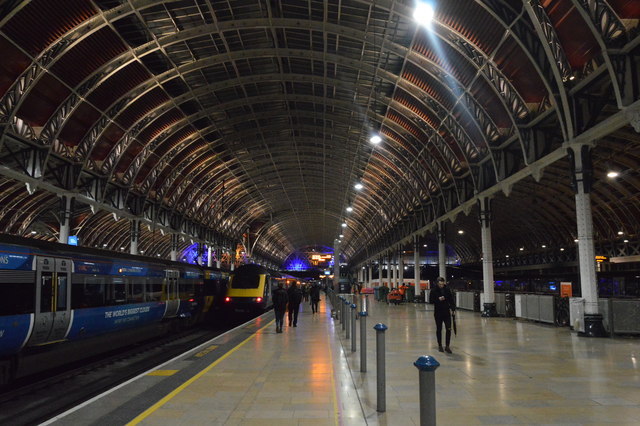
305, 292
443, 305
315, 297
280, 300
295, 297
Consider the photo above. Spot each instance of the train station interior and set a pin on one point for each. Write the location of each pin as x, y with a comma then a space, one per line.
377, 143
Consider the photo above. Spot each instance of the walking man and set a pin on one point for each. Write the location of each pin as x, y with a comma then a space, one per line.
295, 297
315, 297
280, 300
444, 304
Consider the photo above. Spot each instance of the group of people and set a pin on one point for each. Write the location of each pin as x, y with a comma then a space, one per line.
441, 297
290, 299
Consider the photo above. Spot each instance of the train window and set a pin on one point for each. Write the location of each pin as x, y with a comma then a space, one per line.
46, 291
88, 292
16, 298
246, 279
137, 290
61, 296
154, 290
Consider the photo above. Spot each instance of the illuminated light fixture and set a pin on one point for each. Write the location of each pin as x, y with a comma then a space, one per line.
460, 232
544, 246
620, 233
507, 256
375, 139
576, 240
613, 174
521, 248
341, 236
358, 186
561, 249
625, 241
33, 232
573, 77
344, 225
104, 245
349, 209
423, 13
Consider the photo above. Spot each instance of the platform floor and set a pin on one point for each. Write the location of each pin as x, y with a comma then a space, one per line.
502, 371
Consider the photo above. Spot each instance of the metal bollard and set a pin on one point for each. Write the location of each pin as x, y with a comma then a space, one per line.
341, 311
353, 327
427, 366
347, 319
381, 373
363, 342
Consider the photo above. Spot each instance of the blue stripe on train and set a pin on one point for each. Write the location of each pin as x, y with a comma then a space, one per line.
13, 332
91, 322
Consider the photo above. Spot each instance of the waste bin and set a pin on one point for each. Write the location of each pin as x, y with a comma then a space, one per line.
476, 301
576, 313
509, 305
376, 293
383, 293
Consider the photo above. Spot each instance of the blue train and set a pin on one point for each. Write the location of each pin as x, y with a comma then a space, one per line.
75, 301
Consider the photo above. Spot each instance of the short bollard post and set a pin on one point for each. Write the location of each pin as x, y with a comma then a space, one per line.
381, 373
347, 319
353, 327
427, 366
363, 342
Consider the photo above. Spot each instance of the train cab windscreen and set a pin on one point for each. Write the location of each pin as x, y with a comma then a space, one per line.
247, 276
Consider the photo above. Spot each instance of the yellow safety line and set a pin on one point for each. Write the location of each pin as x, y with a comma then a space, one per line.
336, 413
183, 386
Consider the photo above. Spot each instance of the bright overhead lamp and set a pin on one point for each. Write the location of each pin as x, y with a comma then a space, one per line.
375, 139
349, 209
344, 224
613, 174
461, 232
341, 236
358, 186
423, 13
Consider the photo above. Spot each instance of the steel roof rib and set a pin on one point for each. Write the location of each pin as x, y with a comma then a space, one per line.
215, 119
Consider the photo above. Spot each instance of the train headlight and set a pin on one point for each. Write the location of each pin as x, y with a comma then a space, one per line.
227, 299
258, 299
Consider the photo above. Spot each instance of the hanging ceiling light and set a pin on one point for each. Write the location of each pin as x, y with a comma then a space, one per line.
375, 139
423, 13
358, 186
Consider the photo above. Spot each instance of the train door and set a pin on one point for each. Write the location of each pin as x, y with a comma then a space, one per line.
268, 287
53, 300
171, 296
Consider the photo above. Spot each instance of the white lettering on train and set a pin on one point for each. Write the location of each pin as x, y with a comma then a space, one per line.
126, 312
1, 333
4, 259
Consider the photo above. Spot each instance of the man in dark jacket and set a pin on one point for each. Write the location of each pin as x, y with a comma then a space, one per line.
443, 305
280, 300
295, 297
315, 297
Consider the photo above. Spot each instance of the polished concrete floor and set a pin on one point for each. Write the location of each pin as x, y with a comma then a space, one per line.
502, 371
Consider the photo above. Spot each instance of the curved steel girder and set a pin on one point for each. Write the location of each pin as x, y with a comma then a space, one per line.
175, 74
150, 179
130, 137
312, 152
534, 48
605, 26
436, 136
313, 128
